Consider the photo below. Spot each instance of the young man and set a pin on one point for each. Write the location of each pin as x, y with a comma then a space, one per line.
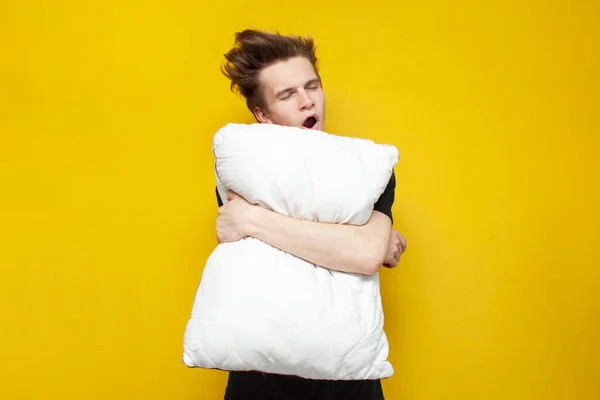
278, 76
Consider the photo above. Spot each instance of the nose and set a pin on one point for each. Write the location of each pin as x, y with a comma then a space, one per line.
306, 101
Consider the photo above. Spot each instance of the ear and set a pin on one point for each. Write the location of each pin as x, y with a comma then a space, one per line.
261, 116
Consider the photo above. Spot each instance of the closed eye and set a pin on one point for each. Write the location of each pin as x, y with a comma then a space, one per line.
285, 94
313, 85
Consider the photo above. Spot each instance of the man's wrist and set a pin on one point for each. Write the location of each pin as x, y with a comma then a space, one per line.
254, 216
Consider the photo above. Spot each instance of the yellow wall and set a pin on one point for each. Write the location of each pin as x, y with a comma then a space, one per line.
107, 208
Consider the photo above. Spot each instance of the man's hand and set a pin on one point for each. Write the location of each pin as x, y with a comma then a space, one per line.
395, 250
232, 222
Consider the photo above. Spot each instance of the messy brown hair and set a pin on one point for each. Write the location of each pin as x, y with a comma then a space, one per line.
254, 50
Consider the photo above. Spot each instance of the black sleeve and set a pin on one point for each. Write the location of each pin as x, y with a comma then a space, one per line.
386, 200
219, 201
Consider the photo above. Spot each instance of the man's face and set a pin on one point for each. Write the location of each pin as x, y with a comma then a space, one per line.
293, 95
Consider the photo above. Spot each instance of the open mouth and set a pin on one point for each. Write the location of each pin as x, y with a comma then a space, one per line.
310, 122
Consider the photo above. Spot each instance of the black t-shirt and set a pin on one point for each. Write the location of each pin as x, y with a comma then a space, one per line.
253, 385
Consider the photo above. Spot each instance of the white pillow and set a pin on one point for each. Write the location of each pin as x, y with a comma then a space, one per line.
259, 308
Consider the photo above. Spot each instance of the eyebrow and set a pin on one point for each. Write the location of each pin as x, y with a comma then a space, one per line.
284, 91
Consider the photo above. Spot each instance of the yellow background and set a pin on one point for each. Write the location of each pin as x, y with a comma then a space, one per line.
107, 109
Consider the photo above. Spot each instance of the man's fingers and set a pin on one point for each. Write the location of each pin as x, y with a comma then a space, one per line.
403, 242
231, 195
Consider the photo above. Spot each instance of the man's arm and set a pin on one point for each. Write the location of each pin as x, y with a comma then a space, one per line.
355, 249
348, 248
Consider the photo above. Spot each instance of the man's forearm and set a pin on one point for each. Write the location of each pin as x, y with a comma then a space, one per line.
348, 248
